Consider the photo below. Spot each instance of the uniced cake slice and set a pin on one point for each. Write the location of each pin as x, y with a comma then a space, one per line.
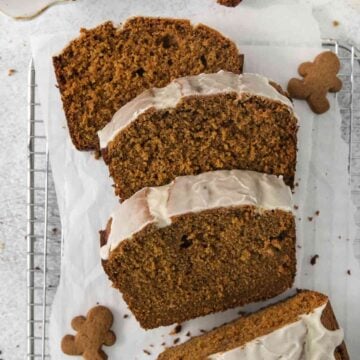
108, 66
302, 327
219, 121
201, 244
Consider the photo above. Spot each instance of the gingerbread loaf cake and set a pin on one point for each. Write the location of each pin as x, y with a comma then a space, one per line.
108, 66
301, 327
201, 244
208, 122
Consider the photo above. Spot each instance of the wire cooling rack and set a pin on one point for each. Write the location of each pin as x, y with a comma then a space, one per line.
43, 221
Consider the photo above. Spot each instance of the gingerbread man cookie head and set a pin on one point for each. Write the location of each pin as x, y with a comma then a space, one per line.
92, 332
319, 78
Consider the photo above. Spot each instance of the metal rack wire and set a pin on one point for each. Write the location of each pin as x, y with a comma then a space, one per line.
43, 222
43, 231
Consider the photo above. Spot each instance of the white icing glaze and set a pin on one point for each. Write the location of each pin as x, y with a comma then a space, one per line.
305, 339
203, 84
222, 188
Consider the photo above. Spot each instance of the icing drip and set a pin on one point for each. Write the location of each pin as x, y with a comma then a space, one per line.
203, 84
305, 339
211, 190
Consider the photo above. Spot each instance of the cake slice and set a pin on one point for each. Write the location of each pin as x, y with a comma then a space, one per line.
201, 244
107, 66
301, 327
197, 124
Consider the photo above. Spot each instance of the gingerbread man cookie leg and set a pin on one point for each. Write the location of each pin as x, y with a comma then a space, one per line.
318, 103
69, 346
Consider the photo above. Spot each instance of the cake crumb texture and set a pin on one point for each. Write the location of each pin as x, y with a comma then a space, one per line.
203, 133
167, 275
252, 326
107, 66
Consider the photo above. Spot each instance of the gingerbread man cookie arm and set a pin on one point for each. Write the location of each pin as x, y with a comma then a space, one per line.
305, 68
336, 86
77, 322
69, 347
298, 89
110, 338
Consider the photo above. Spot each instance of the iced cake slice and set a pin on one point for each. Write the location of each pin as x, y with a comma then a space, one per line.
201, 244
302, 327
107, 66
201, 123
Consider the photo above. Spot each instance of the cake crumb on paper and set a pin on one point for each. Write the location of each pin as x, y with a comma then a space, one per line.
296, 207
125, 316
349, 272
314, 259
176, 340
147, 352
11, 72
335, 23
317, 212
229, 3
310, 218
188, 334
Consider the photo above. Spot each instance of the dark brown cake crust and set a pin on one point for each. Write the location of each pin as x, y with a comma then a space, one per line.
167, 275
251, 326
106, 67
219, 132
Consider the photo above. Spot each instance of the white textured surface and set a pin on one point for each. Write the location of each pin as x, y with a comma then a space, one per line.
15, 53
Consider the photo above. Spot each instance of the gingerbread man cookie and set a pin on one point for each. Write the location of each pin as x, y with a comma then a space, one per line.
92, 332
319, 78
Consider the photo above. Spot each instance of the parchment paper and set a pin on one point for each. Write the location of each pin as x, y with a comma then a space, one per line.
86, 197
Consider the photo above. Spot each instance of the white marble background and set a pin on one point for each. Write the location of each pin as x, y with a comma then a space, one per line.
15, 54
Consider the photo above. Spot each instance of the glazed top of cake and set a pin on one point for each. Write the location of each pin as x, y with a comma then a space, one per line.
186, 194
199, 85
304, 339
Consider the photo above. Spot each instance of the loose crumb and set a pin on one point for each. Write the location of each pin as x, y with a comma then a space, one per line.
203, 331
339, 237
335, 23
151, 345
163, 344
310, 218
229, 3
296, 184
314, 259
54, 230
298, 246
242, 313
11, 72
317, 212
176, 340
299, 219
125, 316
296, 207
188, 334
176, 330
349, 272
147, 352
